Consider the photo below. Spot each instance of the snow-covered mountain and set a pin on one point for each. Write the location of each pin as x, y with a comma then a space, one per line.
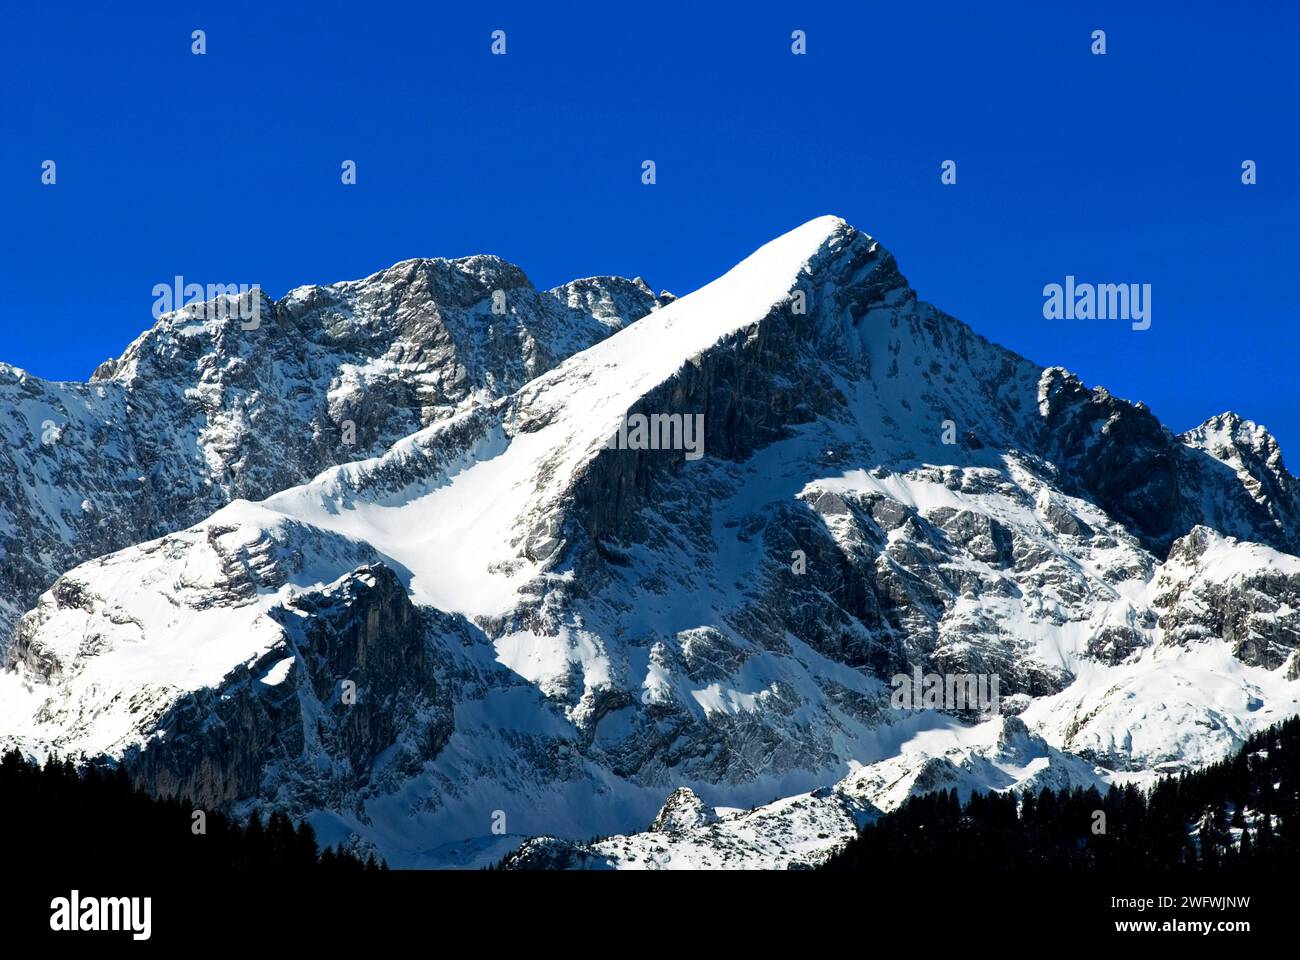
516, 623
797, 832
199, 410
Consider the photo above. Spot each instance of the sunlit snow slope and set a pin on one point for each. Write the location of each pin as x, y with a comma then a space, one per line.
504, 623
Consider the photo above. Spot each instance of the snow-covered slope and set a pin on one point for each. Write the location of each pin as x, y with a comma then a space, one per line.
598, 627
801, 831
199, 410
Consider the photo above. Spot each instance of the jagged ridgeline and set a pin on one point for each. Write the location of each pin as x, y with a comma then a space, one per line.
199, 411
607, 548
1240, 813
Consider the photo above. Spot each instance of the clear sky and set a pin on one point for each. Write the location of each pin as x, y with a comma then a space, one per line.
225, 168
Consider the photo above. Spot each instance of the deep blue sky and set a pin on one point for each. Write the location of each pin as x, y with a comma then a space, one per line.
225, 168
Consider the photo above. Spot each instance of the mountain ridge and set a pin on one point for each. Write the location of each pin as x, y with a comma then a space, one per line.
605, 626
196, 411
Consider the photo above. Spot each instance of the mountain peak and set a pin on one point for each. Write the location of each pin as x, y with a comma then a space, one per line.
867, 487
1227, 434
485, 269
204, 407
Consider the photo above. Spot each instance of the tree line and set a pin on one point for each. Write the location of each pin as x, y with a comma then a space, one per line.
59, 813
1242, 813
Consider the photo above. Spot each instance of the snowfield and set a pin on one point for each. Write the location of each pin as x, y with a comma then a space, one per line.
691, 659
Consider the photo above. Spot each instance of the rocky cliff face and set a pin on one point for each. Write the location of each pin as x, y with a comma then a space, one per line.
582, 627
198, 412
1205, 592
349, 682
1227, 473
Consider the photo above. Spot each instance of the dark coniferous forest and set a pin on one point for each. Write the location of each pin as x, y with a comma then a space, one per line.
64, 815
1242, 814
